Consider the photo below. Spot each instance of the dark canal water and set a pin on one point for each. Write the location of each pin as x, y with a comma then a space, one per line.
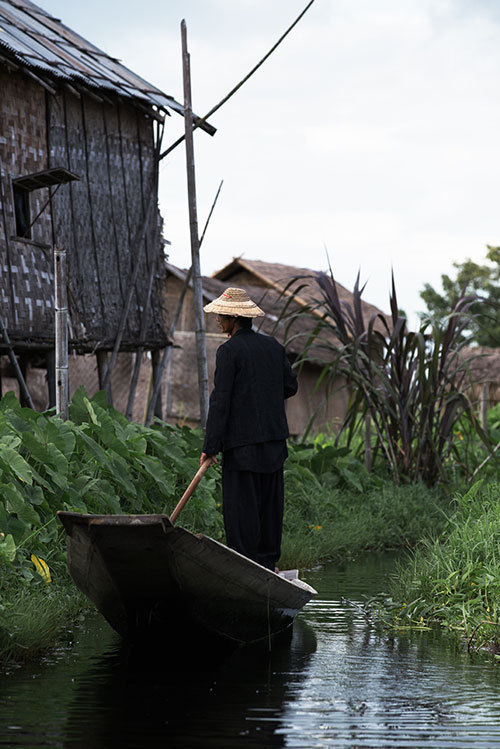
338, 683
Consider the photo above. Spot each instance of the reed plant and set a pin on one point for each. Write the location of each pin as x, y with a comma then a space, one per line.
412, 386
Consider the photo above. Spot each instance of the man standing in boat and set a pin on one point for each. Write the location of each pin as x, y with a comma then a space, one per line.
247, 422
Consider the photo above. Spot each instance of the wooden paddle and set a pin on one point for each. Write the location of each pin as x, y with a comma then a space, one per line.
192, 486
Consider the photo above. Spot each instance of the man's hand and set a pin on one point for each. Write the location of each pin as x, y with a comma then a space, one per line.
204, 457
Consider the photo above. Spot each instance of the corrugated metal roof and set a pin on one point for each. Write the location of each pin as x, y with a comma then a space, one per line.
34, 40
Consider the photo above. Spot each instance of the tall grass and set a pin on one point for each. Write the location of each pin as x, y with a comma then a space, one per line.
32, 617
454, 580
322, 523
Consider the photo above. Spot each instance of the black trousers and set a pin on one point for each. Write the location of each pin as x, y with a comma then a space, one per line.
252, 505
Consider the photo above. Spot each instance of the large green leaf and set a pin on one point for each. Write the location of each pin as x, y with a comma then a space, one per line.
8, 548
11, 460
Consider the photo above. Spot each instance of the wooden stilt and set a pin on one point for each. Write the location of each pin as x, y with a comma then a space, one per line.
61, 325
13, 360
24, 365
155, 365
102, 371
51, 377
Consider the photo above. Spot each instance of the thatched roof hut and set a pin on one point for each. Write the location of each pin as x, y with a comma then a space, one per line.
482, 382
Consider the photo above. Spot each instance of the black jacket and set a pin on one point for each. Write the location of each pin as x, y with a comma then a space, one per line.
247, 405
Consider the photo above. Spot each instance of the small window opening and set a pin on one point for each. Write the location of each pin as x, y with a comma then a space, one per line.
22, 211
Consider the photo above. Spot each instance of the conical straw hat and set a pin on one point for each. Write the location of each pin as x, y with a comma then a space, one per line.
235, 302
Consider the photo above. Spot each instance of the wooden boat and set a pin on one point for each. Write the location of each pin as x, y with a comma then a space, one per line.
144, 574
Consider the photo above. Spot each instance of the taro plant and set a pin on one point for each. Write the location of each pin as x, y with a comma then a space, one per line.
96, 462
408, 388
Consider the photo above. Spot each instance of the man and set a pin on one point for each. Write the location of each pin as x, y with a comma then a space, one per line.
247, 422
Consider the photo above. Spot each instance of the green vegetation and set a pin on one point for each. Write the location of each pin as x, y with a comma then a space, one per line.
410, 386
98, 462
483, 280
336, 508
453, 580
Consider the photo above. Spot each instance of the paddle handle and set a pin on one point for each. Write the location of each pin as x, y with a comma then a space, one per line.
192, 486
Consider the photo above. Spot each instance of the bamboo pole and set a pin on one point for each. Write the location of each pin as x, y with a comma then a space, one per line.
201, 352
61, 325
203, 120
13, 359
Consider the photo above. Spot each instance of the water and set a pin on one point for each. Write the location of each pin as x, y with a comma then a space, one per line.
338, 683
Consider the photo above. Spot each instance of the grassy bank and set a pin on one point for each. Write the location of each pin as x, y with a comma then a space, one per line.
454, 580
98, 462
33, 617
335, 508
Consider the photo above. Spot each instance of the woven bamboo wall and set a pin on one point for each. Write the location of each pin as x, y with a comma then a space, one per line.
26, 266
111, 149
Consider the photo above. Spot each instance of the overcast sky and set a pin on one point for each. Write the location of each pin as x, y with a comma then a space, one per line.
373, 131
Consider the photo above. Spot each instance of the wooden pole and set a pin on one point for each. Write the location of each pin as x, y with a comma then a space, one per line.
200, 121
155, 370
51, 377
13, 359
61, 324
192, 486
103, 374
166, 354
201, 352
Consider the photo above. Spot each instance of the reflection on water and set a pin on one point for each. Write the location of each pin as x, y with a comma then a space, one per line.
337, 683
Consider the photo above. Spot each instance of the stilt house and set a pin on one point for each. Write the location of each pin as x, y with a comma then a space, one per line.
80, 138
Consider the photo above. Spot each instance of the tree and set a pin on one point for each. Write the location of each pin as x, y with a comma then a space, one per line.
471, 278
